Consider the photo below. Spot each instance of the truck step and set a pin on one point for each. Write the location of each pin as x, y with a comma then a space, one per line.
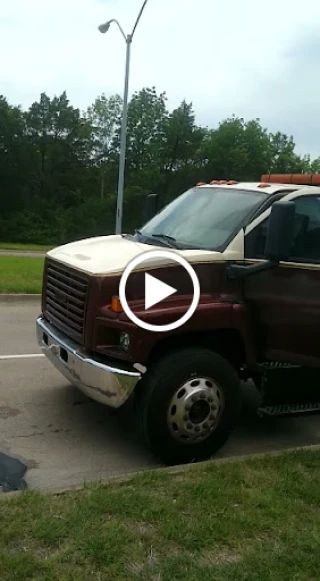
286, 409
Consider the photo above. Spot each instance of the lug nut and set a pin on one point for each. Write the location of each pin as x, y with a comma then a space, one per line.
189, 426
197, 429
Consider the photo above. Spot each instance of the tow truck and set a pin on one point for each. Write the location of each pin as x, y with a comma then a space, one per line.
255, 248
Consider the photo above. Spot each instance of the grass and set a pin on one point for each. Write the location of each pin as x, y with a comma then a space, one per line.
24, 247
254, 520
21, 275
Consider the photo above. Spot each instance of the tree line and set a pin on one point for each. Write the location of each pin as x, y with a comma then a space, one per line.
59, 166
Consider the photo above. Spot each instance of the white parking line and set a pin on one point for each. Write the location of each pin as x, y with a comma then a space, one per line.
26, 356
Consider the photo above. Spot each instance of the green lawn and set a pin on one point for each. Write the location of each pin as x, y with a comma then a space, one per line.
24, 247
20, 275
253, 520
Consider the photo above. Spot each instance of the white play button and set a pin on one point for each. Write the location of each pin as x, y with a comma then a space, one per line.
156, 291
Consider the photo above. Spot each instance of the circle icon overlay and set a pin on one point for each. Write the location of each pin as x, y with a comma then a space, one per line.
168, 255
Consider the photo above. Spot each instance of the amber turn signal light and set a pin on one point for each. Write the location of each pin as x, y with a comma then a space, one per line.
116, 305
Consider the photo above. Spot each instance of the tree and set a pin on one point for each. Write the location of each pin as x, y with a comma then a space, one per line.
13, 157
147, 115
236, 150
181, 148
61, 143
314, 166
59, 167
282, 156
104, 117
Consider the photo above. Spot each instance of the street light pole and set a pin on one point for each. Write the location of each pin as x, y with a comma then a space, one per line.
123, 139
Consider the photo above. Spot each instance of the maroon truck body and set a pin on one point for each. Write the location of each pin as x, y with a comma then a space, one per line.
271, 316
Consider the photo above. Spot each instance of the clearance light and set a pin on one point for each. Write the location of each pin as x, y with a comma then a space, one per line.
220, 183
264, 185
116, 305
297, 179
223, 182
201, 184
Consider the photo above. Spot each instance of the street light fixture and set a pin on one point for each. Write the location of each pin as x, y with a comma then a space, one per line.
103, 28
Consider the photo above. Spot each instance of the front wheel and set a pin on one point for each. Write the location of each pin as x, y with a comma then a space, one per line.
188, 404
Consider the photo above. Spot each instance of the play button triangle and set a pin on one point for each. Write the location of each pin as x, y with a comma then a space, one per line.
156, 291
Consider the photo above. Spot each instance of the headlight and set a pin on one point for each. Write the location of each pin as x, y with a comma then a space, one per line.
124, 341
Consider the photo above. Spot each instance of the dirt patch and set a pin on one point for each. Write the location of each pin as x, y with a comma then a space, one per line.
32, 464
7, 412
151, 561
219, 556
142, 528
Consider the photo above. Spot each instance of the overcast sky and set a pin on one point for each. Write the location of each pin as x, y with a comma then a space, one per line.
248, 57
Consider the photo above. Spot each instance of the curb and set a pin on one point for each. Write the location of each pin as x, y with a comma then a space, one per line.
16, 298
182, 468
23, 253
123, 478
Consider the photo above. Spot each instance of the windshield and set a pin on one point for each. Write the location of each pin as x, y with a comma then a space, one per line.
204, 218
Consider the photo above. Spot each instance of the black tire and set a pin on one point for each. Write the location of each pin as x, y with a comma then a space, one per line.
257, 380
165, 379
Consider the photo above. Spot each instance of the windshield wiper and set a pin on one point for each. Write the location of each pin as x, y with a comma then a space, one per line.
170, 240
165, 240
136, 232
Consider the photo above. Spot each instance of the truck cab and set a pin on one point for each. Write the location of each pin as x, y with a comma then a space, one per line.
255, 248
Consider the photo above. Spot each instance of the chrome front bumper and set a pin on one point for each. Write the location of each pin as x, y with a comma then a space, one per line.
99, 381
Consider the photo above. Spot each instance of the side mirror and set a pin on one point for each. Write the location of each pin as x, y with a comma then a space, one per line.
150, 208
278, 243
280, 231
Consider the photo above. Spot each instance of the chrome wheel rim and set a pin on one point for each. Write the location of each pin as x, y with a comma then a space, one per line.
195, 409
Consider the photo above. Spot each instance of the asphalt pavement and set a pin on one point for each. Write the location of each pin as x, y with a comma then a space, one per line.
66, 439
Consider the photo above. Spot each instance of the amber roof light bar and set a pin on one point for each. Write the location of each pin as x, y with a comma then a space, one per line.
298, 179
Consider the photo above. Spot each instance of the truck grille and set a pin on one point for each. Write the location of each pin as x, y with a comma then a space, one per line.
66, 298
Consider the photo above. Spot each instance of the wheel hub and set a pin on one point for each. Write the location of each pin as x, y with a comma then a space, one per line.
199, 411
194, 410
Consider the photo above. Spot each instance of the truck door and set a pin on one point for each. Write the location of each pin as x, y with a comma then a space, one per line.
285, 301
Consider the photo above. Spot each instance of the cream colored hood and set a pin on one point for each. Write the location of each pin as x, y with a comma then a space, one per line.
111, 254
